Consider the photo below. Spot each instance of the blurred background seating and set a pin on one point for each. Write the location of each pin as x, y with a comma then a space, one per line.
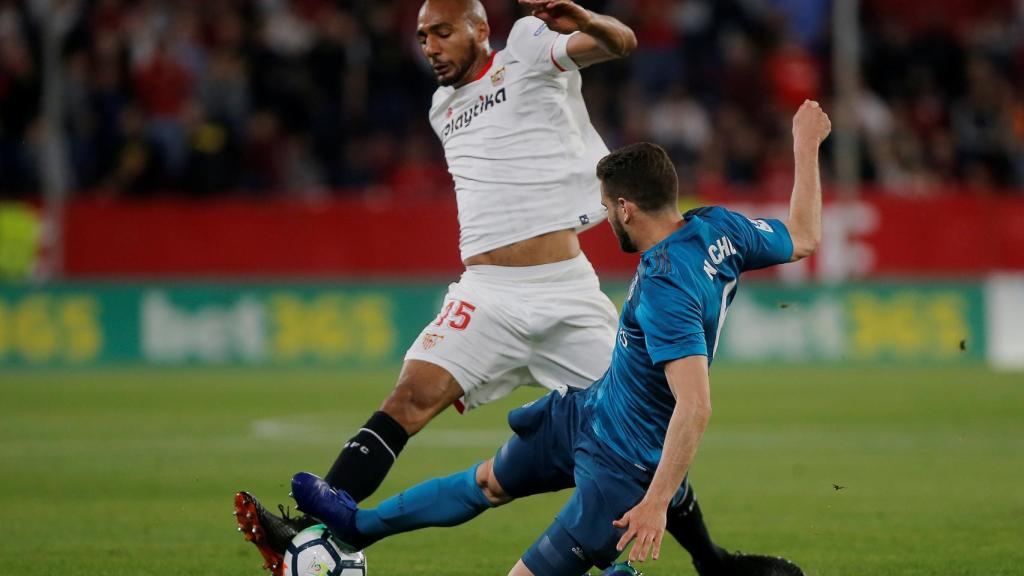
317, 98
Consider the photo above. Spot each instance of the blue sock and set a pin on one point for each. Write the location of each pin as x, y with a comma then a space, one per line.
448, 501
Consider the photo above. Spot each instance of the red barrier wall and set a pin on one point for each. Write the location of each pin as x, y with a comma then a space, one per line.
876, 236
232, 237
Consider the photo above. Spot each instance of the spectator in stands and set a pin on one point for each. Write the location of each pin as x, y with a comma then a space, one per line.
280, 96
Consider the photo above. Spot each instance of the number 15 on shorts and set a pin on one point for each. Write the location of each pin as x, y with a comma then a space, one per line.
456, 313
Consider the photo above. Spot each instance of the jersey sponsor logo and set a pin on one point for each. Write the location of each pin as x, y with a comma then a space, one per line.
584, 220
498, 77
761, 225
623, 339
578, 552
718, 252
466, 118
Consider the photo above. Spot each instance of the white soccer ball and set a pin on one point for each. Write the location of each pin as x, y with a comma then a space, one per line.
315, 552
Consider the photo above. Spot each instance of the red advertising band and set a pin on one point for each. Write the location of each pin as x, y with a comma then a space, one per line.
872, 236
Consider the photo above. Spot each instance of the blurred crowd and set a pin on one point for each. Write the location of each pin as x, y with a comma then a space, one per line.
318, 97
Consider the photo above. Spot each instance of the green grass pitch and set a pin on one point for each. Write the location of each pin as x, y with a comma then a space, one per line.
132, 472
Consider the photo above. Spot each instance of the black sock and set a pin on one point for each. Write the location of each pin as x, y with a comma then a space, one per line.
368, 456
686, 525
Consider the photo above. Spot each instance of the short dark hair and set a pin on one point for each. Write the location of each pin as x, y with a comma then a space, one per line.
641, 173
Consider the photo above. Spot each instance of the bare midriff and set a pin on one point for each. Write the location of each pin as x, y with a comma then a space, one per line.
544, 249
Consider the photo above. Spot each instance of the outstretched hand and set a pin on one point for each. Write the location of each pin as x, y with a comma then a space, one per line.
645, 523
562, 16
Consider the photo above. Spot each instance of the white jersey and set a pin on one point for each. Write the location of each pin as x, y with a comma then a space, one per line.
520, 145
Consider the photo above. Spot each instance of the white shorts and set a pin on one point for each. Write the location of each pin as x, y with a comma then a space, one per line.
504, 327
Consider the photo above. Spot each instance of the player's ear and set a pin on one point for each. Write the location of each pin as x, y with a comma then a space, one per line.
482, 31
626, 208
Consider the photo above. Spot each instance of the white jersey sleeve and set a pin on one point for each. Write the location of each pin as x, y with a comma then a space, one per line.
541, 49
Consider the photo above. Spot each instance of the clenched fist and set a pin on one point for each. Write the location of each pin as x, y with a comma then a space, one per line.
810, 126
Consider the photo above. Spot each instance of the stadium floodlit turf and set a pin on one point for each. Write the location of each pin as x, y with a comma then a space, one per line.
848, 472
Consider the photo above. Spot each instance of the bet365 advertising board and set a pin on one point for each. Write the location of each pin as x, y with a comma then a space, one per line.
370, 325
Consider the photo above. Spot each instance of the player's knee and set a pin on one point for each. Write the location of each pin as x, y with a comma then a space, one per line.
489, 484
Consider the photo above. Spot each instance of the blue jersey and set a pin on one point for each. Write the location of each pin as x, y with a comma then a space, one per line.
675, 308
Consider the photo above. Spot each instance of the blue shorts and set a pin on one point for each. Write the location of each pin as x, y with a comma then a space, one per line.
554, 448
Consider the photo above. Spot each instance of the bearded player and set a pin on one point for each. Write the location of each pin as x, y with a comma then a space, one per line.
528, 310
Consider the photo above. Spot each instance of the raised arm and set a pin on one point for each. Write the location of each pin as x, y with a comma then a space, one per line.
688, 379
810, 128
601, 38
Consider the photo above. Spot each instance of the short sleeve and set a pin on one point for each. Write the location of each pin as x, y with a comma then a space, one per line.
670, 317
532, 43
762, 242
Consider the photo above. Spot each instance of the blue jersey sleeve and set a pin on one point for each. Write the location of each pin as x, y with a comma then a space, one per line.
670, 316
762, 242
